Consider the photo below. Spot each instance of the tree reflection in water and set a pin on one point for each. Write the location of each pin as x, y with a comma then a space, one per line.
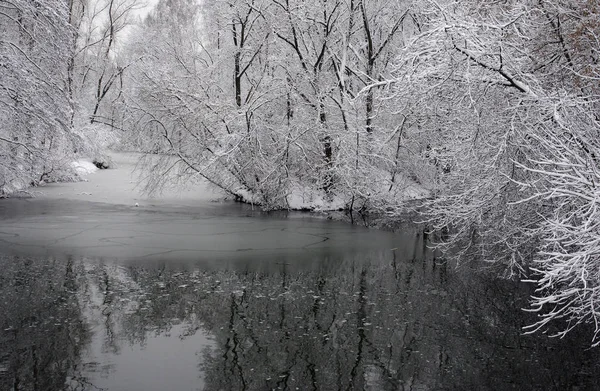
42, 332
387, 321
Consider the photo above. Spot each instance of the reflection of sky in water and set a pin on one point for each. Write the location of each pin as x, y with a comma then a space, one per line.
163, 361
121, 359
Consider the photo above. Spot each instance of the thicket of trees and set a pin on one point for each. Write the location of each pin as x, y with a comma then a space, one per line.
488, 109
35, 106
263, 98
511, 90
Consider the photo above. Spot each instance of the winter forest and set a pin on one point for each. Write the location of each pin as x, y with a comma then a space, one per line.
479, 115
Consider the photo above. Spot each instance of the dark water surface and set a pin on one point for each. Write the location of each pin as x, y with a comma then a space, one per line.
106, 297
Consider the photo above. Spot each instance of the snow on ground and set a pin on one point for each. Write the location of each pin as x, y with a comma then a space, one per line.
84, 167
307, 199
301, 197
377, 192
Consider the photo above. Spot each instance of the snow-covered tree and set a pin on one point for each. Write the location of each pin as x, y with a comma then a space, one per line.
506, 96
35, 104
263, 98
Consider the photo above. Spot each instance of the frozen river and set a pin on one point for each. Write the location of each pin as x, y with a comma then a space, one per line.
100, 219
188, 292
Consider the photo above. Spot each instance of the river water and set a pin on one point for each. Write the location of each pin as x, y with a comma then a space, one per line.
186, 292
